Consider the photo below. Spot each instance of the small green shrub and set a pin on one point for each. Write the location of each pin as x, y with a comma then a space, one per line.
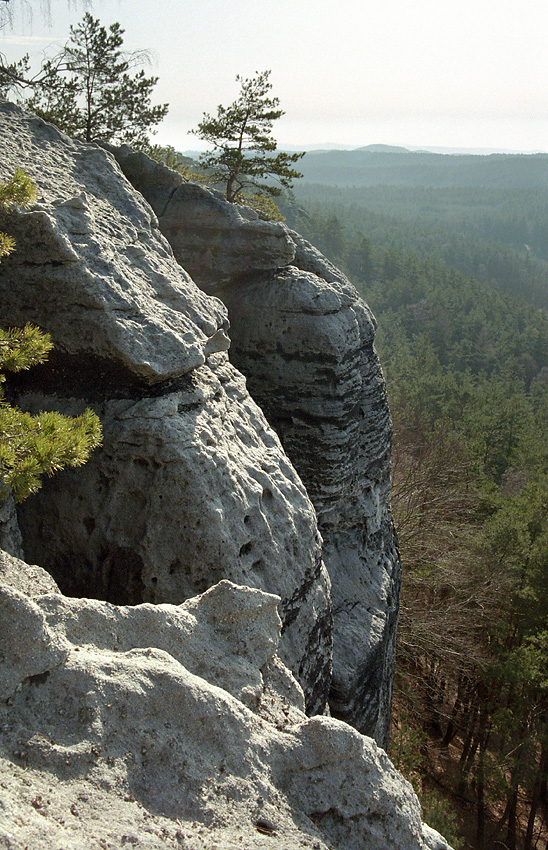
31, 446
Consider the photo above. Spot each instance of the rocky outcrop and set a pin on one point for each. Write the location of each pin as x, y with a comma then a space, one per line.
171, 709
307, 348
304, 340
191, 485
216, 242
176, 726
89, 253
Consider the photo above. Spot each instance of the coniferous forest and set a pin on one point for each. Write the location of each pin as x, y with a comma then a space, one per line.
457, 277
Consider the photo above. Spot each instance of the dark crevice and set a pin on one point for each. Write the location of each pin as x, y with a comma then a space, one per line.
160, 213
290, 607
92, 378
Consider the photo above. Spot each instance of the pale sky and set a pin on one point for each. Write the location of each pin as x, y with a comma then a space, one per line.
467, 73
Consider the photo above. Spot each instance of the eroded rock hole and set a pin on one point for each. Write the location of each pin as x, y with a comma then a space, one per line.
122, 571
175, 567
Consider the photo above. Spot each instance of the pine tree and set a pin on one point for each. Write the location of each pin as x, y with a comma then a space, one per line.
19, 191
33, 445
89, 90
243, 145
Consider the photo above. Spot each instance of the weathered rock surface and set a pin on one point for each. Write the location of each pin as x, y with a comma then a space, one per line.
306, 347
304, 339
176, 726
179, 725
10, 533
214, 241
29, 580
191, 485
92, 267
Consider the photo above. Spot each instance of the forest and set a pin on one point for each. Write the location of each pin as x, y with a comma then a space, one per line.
457, 277
378, 165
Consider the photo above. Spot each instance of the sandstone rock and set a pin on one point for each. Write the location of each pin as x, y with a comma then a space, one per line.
433, 840
10, 533
156, 724
191, 485
135, 734
214, 241
92, 267
28, 649
309, 259
306, 347
304, 340
30, 580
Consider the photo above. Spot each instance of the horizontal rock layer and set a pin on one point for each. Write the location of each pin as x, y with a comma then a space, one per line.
306, 346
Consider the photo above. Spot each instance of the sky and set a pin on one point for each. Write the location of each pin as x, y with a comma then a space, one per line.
467, 74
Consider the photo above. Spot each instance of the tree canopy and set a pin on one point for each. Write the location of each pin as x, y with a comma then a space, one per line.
90, 89
243, 145
463, 340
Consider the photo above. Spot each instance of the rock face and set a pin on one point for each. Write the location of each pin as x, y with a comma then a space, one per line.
323, 391
10, 533
216, 242
304, 340
191, 485
176, 726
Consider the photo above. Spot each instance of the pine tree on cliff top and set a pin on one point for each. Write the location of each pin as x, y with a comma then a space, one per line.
90, 90
243, 145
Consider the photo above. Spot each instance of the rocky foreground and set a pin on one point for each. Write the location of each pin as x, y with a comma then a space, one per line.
213, 583
162, 725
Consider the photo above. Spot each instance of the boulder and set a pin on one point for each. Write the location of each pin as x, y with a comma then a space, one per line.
92, 268
163, 725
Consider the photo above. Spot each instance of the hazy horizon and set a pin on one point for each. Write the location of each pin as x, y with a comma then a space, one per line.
466, 76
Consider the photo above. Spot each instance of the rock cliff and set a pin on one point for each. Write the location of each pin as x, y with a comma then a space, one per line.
191, 485
171, 708
304, 340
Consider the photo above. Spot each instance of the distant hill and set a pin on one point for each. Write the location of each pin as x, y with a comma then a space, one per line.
383, 149
392, 166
